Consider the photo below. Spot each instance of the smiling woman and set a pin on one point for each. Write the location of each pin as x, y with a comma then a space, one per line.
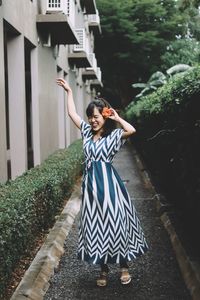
109, 229
101, 125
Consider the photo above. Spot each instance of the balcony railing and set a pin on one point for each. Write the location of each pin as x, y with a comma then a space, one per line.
78, 54
57, 25
91, 72
66, 7
99, 74
57, 6
97, 82
94, 20
93, 62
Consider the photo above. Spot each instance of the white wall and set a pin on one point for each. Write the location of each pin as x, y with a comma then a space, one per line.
21, 14
48, 101
17, 106
51, 127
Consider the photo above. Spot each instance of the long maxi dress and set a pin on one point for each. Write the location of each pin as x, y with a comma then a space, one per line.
109, 229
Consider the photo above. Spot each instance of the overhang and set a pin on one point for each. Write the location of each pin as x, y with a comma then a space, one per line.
89, 74
79, 59
58, 26
96, 83
95, 28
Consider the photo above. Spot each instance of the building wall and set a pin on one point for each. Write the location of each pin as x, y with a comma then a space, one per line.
3, 154
33, 115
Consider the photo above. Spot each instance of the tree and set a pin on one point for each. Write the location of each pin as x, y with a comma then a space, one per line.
135, 33
184, 51
190, 9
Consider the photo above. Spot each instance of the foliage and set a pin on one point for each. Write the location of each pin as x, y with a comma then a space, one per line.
156, 80
179, 68
168, 129
183, 51
190, 9
135, 33
178, 90
29, 203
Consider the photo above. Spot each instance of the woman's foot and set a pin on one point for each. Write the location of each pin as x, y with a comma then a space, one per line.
125, 276
102, 280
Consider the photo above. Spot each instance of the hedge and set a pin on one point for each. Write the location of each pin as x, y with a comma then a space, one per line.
29, 204
168, 138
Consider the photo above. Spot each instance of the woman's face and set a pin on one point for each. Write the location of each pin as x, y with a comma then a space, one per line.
96, 120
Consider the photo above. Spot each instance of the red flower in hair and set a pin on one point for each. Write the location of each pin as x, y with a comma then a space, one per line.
106, 112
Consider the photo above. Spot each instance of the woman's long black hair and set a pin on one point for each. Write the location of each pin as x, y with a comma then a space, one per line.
100, 103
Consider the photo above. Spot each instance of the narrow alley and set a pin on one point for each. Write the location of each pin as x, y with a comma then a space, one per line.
155, 275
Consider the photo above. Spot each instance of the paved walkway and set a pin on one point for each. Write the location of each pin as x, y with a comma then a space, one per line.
156, 274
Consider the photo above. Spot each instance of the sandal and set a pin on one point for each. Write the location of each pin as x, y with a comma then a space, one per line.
102, 280
125, 276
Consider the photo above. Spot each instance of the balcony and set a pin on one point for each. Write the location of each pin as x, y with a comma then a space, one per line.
94, 22
97, 82
89, 6
58, 22
91, 72
78, 55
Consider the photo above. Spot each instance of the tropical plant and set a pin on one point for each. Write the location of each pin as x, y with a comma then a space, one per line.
180, 68
158, 79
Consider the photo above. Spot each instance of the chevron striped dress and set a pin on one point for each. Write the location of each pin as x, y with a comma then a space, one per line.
109, 229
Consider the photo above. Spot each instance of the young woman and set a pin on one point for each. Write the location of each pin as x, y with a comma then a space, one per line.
109, 229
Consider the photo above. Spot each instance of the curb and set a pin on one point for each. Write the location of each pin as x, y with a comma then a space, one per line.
35, 282
190, 269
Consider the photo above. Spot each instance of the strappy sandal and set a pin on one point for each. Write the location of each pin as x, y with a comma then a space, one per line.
125, 276
102, 280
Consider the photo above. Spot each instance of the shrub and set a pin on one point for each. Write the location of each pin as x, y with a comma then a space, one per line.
168, 131
29, 204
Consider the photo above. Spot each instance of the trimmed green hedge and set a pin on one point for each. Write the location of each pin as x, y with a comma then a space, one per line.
168, 138
168, 99
29, 204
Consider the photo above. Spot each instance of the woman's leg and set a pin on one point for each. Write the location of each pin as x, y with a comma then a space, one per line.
104, 268
102, 280
124, 265
125, 276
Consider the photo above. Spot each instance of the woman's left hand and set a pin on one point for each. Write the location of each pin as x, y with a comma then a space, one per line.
114, 116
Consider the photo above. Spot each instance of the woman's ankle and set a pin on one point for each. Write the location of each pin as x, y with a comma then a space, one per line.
124, 265
104, 268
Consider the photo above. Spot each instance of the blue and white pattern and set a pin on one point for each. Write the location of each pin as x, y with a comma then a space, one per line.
109, 229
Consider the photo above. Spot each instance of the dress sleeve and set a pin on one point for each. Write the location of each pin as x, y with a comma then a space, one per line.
117, 139
85, 129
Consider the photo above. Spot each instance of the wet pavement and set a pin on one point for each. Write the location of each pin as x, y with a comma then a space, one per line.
155, 275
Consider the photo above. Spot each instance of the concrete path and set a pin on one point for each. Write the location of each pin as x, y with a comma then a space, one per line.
156, 274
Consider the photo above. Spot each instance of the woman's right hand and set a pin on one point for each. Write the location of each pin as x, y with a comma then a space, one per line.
64, 84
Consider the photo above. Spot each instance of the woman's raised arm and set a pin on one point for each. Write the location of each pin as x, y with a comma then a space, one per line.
71, 109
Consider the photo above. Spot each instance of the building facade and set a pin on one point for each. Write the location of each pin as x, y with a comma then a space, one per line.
41, 40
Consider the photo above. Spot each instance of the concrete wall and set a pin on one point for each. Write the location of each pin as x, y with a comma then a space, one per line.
49, 126
3, 155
